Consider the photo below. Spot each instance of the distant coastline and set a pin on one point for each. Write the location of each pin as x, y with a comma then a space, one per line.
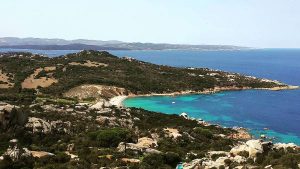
85, 44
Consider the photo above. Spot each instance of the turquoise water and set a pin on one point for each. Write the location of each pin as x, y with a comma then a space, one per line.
279, 111
255, 109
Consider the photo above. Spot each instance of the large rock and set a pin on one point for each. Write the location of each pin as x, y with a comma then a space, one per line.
253, 147
38, 125
144, 144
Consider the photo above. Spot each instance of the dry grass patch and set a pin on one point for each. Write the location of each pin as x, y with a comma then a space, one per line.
32, 82
5, 80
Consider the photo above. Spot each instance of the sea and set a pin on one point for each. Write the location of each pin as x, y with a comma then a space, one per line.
274, 114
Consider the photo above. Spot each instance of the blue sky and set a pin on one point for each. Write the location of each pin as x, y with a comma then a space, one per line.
254, 23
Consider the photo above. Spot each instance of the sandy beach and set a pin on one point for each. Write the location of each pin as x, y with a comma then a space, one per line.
117, 101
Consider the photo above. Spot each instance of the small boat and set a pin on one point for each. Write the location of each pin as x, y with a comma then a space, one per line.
173, 102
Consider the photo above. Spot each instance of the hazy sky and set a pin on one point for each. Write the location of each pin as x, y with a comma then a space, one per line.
255, 23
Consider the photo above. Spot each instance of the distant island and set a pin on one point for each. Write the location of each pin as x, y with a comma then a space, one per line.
65, 112
84, 44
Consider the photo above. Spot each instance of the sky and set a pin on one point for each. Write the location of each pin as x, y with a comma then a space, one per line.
252, 23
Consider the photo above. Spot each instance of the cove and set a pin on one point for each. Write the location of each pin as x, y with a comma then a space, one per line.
252, 109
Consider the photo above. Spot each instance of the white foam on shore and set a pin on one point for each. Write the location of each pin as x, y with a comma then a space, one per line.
117, 101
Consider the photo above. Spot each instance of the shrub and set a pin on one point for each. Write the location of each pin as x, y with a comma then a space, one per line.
203, 132
153, 160
111, 137
172, 159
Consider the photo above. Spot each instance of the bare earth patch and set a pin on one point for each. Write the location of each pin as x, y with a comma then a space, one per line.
96, 91
88, 63
32, 83
5, 81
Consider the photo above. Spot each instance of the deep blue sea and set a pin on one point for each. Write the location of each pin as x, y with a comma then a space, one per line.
279, 111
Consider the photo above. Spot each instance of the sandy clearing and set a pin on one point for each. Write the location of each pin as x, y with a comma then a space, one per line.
172, 132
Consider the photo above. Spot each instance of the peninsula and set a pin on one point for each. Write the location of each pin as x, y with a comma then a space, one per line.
64, 112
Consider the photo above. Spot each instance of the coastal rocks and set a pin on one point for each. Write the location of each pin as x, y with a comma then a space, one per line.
285, 146
208, 163
241, 133
238, 155
184, 115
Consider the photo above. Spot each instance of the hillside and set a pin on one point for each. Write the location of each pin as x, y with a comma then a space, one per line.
55, 113
91, 67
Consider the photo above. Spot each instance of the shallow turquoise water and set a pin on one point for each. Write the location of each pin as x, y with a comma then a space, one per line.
254, 109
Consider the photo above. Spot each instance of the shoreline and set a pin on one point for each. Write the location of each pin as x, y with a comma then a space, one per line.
242, 131
117, 100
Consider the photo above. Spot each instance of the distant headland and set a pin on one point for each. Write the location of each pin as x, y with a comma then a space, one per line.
84, 44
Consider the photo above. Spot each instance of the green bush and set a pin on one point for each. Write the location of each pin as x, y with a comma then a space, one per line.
111, 137
203, 132
154, 161
172, 159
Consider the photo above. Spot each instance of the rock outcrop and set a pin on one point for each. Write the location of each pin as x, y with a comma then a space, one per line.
37, 125
5, 110
238, 154
144, 145
252, 147
15, 152
11, 116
